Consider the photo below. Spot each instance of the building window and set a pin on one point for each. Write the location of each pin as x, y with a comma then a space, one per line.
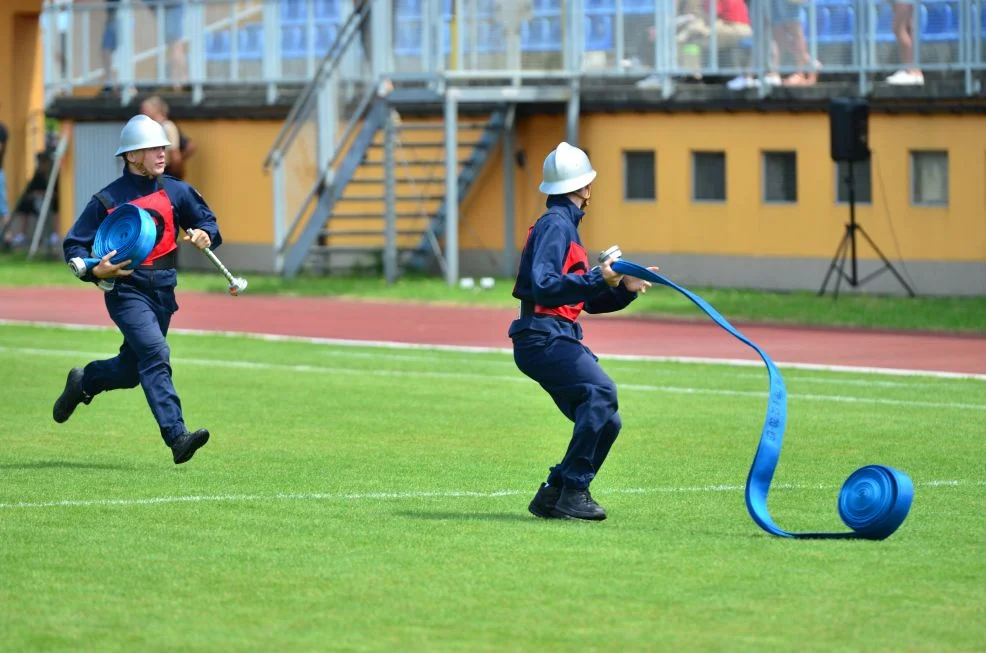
780, 177
639, 178
709, 176
863, 187
929, 178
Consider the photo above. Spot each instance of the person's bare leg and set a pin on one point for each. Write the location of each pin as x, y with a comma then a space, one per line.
903, 27
179, 64
107, 56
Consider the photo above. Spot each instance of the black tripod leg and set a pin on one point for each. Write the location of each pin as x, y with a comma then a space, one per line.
886, 263
838, 261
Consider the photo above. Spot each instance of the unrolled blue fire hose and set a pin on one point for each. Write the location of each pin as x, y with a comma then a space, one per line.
130, 230
874, 500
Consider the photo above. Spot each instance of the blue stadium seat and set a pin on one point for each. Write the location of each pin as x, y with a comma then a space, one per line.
638, 7
325, 35
408, 41
939, 22
884, 23
598, 33
293, 42
836, 21
538, 36
408, 8
250, 42
326, 11
292, 12
217, 46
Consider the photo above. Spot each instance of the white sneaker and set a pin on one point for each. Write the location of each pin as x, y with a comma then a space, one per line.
742, 82
906, 78
772, 79
652, 81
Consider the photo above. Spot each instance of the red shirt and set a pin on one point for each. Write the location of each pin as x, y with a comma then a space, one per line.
731, 11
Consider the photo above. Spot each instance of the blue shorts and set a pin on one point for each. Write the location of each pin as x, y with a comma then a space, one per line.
3, 194
173, 22
109, 34
782, 11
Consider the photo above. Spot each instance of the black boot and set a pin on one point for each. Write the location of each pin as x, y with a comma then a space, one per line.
71, 396
544, 501
578, 504
187, 444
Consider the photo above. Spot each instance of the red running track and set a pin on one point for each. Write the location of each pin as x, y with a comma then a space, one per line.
487, 327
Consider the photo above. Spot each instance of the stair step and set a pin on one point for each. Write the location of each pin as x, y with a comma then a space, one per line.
359, 249
399, 180
434, 144
412, 162
367, 216
399, 198
439, 125
371, 232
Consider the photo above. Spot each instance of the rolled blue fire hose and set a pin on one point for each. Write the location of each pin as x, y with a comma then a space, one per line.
874, 500
130, 230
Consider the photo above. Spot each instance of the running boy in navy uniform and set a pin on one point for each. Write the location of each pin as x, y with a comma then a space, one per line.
141, 301
554, 285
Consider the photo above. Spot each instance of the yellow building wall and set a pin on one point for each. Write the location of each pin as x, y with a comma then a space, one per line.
21, 88
227, 170
744, 225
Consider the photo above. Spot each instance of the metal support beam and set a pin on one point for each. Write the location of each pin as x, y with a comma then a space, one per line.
382, 40
512, 94
509, 154
451, 187
390, 200
572, 115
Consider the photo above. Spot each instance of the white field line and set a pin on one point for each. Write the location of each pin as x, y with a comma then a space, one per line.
399, 496
506, 350
350, 351
514, 378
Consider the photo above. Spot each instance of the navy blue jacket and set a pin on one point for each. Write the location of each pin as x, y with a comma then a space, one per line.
554, 280
191, 212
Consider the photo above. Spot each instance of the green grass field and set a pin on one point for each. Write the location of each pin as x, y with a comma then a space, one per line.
947, 314
365, 499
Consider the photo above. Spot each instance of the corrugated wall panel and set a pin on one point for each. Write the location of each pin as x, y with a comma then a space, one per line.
95, 165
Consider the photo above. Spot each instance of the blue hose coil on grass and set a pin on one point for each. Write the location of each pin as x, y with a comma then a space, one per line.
874, 500
130, 230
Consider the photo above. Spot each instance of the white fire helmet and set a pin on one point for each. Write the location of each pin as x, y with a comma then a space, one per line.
566, 169
140, 133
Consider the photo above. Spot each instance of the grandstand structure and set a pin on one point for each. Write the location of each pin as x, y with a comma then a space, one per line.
397, 135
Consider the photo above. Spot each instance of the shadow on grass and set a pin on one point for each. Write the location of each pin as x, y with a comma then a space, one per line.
65, 464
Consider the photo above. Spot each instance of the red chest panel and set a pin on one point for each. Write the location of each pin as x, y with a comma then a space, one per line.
576, 262
158, 204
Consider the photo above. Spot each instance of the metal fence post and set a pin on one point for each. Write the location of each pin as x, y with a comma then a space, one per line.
451, 187
390, 200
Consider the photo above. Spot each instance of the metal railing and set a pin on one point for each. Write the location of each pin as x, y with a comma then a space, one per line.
315, 136
204, 43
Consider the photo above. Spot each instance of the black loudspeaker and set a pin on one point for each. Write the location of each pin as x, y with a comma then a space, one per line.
849, 125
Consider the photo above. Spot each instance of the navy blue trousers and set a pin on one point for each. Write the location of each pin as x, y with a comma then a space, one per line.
571, 374
143, 315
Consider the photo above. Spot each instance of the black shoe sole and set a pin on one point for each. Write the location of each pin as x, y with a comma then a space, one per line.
61, 397
194, 446
564, 515
541, 511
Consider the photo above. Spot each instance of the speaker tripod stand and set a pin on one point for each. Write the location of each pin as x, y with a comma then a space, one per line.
847, 249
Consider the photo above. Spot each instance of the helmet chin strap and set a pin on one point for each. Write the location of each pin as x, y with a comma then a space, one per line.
583, 200
139, 167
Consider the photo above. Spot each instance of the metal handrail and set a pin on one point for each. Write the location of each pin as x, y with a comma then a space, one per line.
292, 124
323, 175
